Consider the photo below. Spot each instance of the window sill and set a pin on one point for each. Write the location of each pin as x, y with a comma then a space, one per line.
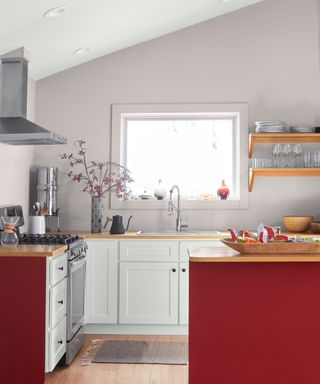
185, 204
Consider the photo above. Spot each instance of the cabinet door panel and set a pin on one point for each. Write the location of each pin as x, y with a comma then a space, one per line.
148, 293
102, 282
184, 293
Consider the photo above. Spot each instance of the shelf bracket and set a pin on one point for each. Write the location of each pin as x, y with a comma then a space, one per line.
251, 179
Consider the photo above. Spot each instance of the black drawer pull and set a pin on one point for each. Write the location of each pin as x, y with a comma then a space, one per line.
60, 342
60, 302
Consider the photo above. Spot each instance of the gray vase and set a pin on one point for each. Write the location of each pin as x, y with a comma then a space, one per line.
97, 208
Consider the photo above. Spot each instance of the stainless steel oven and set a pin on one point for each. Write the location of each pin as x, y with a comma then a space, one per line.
76, 293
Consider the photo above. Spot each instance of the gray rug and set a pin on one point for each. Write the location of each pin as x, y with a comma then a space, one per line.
142, 352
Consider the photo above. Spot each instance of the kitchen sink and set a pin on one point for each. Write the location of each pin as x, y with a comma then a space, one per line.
177, 233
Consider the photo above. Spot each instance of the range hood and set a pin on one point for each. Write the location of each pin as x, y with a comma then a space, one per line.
15, 128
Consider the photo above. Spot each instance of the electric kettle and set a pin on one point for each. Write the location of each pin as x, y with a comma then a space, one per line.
117, 227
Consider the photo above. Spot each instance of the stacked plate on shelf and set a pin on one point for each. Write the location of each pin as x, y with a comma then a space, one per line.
302, 129
270, 126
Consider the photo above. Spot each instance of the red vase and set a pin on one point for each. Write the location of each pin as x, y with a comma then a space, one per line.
223, 192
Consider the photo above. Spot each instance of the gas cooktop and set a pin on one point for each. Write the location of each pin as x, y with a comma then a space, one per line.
48, 239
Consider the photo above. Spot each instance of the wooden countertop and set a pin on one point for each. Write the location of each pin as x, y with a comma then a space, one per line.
223, 254
181, 235
207, 254
53, 250
137, 235
32, 250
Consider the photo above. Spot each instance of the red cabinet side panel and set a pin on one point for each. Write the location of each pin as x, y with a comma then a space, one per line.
22, 319
254, 323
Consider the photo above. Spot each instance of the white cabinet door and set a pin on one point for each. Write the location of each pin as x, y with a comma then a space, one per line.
183, 293
102, 282
148, 293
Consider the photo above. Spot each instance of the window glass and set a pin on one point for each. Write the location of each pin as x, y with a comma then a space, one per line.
196, 153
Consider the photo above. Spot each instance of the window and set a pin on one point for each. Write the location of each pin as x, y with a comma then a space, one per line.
195, 146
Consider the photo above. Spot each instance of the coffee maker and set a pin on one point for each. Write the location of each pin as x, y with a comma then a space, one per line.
12, 211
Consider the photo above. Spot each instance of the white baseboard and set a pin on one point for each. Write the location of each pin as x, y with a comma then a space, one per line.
134, 329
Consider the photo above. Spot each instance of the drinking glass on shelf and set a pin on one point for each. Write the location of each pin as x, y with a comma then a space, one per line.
297, 155
257, 162
276, 153
287, 155
268, 162
307, 159
315, 159
280, 151
262, 162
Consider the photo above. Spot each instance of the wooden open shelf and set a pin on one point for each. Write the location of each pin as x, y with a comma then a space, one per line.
253, 172
255, 138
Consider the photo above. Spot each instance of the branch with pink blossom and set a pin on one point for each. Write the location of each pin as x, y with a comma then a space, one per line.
98, 178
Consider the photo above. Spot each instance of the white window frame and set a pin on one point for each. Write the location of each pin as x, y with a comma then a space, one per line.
237, 110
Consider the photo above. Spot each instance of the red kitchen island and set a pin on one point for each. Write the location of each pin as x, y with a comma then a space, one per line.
254, 319
25, 302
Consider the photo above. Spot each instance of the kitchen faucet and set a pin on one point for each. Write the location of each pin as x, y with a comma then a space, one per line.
171, 207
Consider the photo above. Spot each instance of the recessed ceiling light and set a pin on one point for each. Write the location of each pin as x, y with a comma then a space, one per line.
82, 50
54, 12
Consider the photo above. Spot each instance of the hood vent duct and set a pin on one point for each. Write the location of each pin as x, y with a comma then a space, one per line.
15, 128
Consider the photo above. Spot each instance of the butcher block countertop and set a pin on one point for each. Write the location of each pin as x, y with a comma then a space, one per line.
33, 250
138, 235
224, 254
182, 235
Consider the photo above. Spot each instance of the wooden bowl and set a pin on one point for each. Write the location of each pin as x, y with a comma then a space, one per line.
297, 223
315, 227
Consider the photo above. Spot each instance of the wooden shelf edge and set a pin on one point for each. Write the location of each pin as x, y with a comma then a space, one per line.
253, 172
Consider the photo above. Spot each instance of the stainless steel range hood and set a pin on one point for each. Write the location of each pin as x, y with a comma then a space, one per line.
15, 128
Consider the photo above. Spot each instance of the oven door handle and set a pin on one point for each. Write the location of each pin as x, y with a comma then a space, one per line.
77, 264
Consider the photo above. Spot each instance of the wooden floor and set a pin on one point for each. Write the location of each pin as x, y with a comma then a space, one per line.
120, 373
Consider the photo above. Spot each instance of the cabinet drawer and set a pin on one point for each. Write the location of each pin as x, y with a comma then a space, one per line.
58, 341
148, 250
58, 268
58, 300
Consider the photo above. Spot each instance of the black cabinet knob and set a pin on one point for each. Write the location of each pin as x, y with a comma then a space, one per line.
60, 268
174, 270
183, 270
60, 342
60, 302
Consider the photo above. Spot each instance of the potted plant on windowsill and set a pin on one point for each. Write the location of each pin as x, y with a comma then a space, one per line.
98, 179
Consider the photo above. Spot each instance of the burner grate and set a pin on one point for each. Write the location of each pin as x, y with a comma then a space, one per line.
48, 239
